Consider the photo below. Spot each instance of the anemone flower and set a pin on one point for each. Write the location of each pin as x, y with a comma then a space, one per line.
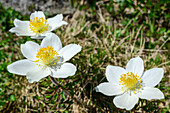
131, 83
49, 58
38, 27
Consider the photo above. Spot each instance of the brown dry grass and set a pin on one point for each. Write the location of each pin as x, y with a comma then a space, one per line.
101, 46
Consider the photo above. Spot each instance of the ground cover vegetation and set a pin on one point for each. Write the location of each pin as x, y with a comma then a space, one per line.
110, 33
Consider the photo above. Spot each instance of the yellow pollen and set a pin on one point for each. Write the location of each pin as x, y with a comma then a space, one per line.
38, 25
130, 82
47, 56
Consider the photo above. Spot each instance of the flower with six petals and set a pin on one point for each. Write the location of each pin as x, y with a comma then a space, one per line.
49, 58
131, 83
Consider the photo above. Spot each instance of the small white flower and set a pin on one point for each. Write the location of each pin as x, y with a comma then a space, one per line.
49, 58
38, 27
130, 84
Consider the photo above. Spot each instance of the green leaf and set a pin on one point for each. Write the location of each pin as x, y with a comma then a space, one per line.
63, 96
12, 97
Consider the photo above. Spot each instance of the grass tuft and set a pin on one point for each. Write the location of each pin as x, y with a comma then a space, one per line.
110, 33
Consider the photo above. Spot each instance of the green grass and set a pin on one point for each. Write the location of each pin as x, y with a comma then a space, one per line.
108, 35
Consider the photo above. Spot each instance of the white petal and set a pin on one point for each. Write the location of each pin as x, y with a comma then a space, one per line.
37, 74
19, 23
21, 67
125, 101
29, 50
113, 73
67, 69
109, 89
69, 51
37, 37
38, 14
135, 65
152, 77
21, 28
41, 35
52, 40
56, 22
150, 93
21, 31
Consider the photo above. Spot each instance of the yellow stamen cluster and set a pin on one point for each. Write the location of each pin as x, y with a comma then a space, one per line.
38, 25
47, 56
130, 82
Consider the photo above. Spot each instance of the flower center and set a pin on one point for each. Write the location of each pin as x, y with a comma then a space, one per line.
38, 25
47, 56
130, 82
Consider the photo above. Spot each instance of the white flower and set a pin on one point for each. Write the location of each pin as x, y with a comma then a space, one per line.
49, 58
130, 84
38, 27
